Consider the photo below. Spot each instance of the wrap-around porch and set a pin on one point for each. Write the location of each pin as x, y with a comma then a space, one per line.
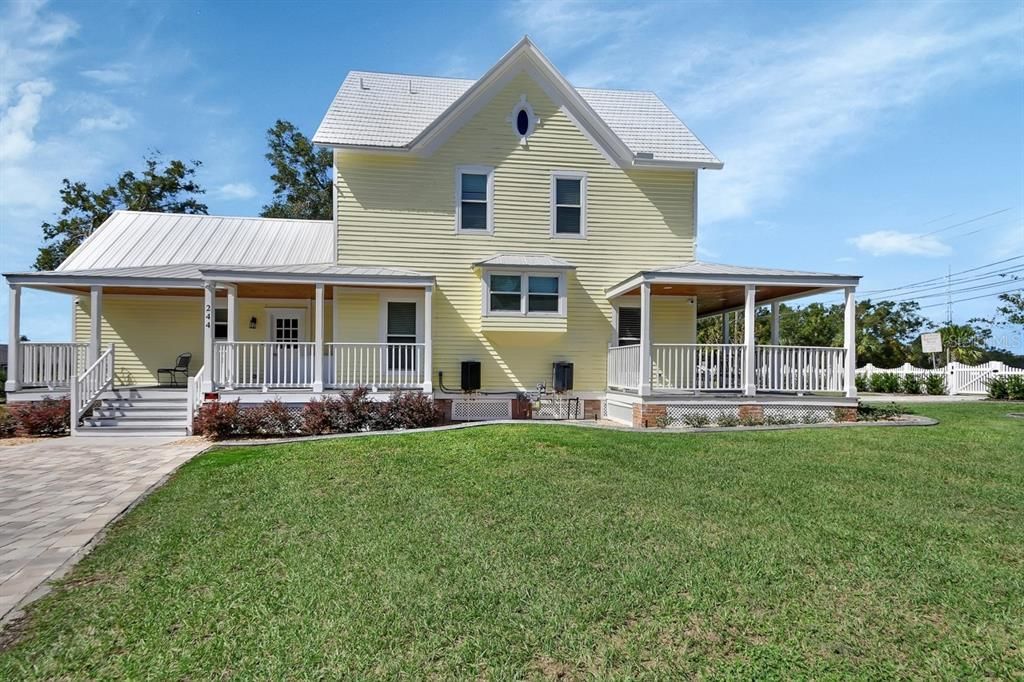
736, 366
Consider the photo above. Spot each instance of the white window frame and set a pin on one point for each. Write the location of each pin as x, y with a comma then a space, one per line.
382, 326
524, 293
569, 175
220, 304
474, 170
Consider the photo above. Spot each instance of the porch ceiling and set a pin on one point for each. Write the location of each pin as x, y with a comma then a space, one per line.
719, 298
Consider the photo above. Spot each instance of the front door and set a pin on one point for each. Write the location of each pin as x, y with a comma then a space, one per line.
287, 331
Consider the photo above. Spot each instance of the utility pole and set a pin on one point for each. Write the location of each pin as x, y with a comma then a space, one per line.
949, 305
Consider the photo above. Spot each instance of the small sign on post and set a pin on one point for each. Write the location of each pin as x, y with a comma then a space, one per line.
931, 343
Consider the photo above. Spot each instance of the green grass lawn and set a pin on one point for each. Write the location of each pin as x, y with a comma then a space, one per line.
522, 551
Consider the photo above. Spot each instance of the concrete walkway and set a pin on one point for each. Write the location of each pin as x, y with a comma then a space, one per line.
57, 494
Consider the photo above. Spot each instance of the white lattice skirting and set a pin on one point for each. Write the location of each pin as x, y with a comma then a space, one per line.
710, 415
481, 410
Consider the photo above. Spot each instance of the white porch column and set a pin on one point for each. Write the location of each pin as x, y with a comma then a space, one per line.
850, 342
428, 339
318, 339
96, 322
645, 339
209, 305
775, 324
232, 312
726, 333
13, 382
749, 310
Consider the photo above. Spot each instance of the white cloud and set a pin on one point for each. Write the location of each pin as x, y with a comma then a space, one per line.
18, 121
28, 43
236, 190
893, 243
101, 115
116, 74
775, 106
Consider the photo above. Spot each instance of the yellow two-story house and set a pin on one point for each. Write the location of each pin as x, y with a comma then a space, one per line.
512, 245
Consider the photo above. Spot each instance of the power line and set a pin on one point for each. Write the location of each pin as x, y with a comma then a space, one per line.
967, 222
973, 298
947, 293
943, 277
963, 280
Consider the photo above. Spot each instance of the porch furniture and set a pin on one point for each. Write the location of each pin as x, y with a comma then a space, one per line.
180, 367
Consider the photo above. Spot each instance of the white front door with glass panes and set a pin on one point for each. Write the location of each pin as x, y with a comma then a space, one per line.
402, 332
287, 331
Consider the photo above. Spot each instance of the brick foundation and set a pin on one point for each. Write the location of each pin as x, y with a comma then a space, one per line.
446, 407
646, 416
846, 414
751, 414
592, 409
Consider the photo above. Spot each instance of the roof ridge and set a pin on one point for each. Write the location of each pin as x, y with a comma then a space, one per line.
224, 217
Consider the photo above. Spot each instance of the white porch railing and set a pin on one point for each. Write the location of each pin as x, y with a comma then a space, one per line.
88, 387
263, 364
50, 364
799, 369
382, 365
697, 367
624, 367
195, 395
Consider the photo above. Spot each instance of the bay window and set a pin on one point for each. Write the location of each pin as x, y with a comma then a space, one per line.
540, 294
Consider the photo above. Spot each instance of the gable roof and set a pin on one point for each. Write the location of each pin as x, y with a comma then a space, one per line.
411, 113
136, 239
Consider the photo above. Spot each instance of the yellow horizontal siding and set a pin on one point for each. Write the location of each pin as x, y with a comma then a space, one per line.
399, 211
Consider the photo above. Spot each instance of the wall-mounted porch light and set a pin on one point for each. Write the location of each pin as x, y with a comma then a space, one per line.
252, 322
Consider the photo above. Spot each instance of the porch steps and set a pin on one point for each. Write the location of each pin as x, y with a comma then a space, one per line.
138, 412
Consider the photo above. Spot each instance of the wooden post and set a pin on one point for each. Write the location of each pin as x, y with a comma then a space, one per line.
209, 303
318, 338
645, 339
749, 310
13, 382
850, 342
428, 339
726, 334
96, 322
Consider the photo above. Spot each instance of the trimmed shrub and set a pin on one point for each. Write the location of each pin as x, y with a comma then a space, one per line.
320, 416
696, 420
911, 383
1015, 387
272, 418
217, 420
355, 411
862, 383
998, 388
870, 412
935, 384
727, 420
751, 421
885, 382
412, 410
8, 424
46, 417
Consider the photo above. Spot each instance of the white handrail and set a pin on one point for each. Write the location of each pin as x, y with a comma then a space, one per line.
380, 365
264, 364
624, 367
800, 369
697, 366
50, 364
88, 387
195, 395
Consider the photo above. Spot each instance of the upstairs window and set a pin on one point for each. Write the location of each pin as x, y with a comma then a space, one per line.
568, 204
525, 293
474, 199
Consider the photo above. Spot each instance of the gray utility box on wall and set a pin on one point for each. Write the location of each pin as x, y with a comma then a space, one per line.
563, 376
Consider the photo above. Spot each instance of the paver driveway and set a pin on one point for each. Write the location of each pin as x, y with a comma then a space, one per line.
57, 494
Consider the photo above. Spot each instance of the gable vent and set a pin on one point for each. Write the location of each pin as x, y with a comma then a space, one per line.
648, 156
363, 85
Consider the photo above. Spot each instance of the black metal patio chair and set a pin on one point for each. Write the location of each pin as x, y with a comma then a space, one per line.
180, 367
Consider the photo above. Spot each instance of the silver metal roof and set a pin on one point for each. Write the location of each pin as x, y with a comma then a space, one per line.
134, 239
525, 260
389, 110
699, 272
704, 268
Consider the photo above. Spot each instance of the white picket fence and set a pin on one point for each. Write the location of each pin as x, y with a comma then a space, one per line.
960, 379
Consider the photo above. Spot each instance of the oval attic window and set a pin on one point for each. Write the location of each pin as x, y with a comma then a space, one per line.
523, 122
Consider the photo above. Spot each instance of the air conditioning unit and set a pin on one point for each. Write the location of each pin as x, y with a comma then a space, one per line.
470, 375
563, 376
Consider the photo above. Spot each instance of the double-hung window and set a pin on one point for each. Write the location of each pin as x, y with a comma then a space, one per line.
629, 326
569, 204
220, 324
525, 293
474, 199
401, 335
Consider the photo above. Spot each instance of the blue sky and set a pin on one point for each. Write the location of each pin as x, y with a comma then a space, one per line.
849, 131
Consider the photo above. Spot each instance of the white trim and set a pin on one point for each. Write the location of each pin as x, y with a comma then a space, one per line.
749, 339
382, 323
524, 275
557, 175
696, 174
532, 119
645, 340
474, 170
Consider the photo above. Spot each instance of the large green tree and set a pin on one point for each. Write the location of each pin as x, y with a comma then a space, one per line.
1011, 307
302, 175
162, 187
